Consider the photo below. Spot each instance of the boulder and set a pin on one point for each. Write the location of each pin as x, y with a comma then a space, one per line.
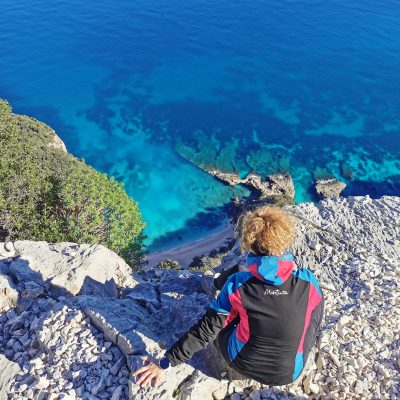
177, 312
183, 282
327, 188
95, 288
112, 316
145, 293
138, 340
138, 329
21, 270
70, 268
182, 382
134, 326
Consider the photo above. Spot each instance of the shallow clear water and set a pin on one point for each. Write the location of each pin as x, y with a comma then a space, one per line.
144, 90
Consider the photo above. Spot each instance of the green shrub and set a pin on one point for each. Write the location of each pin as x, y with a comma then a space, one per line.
169, 264
46, 194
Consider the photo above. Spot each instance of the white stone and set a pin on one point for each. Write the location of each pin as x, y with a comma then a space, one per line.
345, 319
314, 388
41, 383
67, 275
314, 245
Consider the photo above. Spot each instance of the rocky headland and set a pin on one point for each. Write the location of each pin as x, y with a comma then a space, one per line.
74, 318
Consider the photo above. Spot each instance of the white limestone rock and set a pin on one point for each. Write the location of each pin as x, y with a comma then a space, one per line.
70, 268
198, 384
78, 345
113, 316
326, 188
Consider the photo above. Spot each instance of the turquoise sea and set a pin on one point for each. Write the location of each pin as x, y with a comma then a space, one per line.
147, 90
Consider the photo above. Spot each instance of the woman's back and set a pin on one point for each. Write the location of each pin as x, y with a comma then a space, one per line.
266, 318
277, 310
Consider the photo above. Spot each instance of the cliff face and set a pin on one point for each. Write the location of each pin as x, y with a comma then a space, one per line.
73, 318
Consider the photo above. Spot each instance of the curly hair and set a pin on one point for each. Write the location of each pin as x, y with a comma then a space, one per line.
266, 231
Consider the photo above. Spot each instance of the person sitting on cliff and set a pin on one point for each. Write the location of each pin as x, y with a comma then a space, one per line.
266, 317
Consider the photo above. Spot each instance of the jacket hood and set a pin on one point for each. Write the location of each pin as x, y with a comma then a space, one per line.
271, 269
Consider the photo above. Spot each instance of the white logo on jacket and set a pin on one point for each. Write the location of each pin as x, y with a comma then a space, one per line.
275, 292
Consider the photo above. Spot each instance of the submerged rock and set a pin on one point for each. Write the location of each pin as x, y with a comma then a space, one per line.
346, 170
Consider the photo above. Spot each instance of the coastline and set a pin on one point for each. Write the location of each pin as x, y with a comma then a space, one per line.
185, 253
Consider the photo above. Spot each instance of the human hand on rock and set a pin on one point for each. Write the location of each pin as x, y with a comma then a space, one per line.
150, 373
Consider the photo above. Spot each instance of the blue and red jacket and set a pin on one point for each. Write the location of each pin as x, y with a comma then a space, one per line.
266, 320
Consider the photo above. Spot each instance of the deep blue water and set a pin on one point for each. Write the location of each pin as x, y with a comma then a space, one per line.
144, 90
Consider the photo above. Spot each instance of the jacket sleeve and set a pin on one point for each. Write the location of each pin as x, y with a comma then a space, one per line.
203, 331
198, 336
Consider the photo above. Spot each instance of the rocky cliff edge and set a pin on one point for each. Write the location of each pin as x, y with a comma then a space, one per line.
74, 319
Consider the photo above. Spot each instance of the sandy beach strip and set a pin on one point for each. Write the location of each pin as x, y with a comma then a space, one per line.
184, 254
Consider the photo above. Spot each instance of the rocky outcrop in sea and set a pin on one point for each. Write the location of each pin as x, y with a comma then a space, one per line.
74, 319
326, 188
273, 185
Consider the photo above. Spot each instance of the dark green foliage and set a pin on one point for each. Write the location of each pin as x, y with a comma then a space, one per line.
198, 264
169, 264
346, 170
322, 174
46, 194
37, 133
276, 201
279, 201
